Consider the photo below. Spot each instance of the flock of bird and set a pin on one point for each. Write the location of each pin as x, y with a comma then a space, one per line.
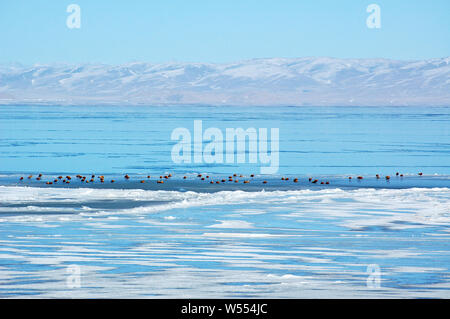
203, 177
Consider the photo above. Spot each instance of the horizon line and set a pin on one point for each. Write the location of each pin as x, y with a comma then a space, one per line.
11, 63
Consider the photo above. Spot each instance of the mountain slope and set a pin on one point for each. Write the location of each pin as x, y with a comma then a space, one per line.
302, 81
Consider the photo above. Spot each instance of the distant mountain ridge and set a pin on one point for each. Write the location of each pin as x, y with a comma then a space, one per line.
313, 81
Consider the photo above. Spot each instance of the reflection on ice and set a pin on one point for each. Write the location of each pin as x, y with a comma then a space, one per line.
280, 244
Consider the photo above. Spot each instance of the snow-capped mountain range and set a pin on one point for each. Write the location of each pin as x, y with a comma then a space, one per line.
275, 81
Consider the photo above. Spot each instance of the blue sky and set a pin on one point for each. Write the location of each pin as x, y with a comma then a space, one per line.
220, 31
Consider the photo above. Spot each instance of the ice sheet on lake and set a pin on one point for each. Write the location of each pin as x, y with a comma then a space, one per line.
299, 243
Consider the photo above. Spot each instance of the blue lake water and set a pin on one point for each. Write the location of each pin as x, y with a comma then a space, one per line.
316, 140
190, 238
